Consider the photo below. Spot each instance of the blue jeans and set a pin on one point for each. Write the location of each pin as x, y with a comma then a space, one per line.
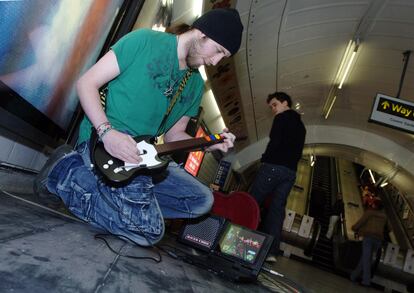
135, 210
370, 246
277, 181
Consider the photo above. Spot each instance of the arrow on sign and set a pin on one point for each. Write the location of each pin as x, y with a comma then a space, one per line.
385, 105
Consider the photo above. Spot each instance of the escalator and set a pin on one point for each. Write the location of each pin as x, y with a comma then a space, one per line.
320, 209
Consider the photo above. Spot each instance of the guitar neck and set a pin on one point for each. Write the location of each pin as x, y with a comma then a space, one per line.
192, 144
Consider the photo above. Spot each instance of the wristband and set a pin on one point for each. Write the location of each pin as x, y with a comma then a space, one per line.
103, 128
103, 125
105, 131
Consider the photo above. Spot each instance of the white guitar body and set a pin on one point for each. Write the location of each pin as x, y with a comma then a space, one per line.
147, 152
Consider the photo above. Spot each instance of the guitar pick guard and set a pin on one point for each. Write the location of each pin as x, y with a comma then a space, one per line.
117, 172
148, 155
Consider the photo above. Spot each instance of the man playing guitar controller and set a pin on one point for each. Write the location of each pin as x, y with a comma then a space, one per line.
143, 72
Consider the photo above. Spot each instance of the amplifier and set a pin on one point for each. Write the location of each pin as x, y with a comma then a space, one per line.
202, 233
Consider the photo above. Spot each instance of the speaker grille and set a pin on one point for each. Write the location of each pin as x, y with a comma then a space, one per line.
203, 234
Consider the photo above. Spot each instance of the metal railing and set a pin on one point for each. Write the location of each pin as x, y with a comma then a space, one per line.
403, 210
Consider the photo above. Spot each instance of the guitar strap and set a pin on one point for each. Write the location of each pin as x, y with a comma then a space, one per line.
173, 101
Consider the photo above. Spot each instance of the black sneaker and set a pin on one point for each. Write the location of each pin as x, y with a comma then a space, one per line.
39, 184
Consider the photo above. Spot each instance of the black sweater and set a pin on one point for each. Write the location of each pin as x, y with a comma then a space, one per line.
287, 138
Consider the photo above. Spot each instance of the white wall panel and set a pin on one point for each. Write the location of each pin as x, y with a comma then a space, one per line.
21, 155
38, 161
6, 146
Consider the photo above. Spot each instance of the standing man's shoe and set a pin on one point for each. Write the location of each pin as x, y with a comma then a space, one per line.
39, 184
271, 258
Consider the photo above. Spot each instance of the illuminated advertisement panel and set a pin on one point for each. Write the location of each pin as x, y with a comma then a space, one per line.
193, 163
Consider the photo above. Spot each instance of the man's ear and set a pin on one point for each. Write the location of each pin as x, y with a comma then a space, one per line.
200, 34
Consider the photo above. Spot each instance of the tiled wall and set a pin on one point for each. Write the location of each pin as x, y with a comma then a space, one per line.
20, 155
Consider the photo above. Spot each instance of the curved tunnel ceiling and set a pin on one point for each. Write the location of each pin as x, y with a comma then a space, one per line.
296, 46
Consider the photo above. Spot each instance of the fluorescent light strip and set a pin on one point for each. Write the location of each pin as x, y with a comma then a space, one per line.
330, 107
344, 58
346, 62
312, 160
383, 184
372, 176
348, 66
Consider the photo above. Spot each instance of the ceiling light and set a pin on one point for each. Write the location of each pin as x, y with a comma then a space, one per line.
383, 184
372, 176
342, 74
330, 107
312, 160
348, 66
348, 51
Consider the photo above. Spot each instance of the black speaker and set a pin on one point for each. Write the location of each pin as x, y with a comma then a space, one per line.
203, 232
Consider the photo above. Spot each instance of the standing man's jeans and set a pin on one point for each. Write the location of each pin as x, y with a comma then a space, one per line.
370, 246
135, 210
278, 181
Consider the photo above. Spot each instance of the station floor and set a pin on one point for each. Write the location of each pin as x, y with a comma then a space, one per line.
44, 250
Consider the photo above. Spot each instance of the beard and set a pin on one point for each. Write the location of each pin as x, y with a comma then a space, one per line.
194, 62
194, 59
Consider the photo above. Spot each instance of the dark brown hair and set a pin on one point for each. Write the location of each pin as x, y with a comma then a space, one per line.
178, 29
281, 97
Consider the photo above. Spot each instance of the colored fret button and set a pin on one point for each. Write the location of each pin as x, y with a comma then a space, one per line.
212, 137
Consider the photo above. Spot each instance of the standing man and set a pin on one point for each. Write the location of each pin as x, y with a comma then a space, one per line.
143, 70
277, 172
371, 226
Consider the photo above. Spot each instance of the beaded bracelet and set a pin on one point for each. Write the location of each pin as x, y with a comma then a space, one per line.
103, 124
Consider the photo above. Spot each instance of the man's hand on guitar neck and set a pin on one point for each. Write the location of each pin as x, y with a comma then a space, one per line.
121, 146
227, 144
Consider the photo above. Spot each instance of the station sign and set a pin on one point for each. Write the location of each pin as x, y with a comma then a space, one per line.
393, 112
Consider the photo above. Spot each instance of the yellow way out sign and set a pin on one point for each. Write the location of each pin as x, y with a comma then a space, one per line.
396, 113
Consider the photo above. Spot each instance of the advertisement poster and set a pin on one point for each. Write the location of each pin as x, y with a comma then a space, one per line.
193, 163
222, 172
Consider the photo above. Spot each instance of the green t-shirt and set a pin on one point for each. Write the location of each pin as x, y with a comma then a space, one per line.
136, 103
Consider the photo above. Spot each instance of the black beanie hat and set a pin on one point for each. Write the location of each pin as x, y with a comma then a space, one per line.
222, 25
